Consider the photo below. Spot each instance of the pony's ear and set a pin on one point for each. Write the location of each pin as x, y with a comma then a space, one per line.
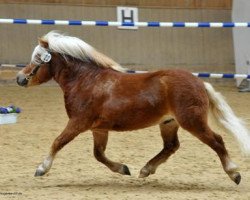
43, 43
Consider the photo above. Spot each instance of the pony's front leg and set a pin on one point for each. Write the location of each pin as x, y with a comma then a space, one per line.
100, 142
70, 132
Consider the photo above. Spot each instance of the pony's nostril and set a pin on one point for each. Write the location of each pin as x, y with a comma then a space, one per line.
21, 80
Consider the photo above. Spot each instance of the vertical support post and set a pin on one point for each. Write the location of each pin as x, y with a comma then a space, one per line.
241, 39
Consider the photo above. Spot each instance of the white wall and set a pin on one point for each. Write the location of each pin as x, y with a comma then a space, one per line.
241, 36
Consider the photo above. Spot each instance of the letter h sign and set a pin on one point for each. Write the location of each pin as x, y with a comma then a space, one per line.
127, 15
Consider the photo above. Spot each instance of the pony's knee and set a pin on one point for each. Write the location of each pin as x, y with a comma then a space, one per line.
172, 146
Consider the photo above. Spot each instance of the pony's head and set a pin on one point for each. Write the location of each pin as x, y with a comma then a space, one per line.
38, 71
54, 46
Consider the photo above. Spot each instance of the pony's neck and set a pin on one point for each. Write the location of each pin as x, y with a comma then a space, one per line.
67, 72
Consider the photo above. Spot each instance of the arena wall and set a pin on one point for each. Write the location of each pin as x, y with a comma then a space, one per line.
197, 49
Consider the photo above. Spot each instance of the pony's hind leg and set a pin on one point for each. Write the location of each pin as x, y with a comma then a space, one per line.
170, 145
197, 125
100, 142
215, 141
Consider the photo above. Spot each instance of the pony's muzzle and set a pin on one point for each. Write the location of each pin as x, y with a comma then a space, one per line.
21, 79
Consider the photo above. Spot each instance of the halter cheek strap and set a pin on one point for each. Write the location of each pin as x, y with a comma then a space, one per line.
45, 57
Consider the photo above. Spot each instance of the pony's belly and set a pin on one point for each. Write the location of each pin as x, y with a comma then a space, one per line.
143, 123
165, 118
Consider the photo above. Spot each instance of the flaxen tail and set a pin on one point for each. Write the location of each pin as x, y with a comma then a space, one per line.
225, 115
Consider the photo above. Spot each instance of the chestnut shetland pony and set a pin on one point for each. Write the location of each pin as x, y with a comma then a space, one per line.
100, 96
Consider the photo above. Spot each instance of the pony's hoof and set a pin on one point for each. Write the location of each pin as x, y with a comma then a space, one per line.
237, 178
39, 173
145, 172
125, 170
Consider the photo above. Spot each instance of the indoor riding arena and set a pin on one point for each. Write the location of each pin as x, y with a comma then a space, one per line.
207, 38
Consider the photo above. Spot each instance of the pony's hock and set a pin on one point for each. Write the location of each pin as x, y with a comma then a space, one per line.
98, 97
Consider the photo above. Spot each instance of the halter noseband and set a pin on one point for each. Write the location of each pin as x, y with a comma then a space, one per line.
45, 57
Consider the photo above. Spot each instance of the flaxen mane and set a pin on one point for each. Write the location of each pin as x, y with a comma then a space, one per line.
77, 48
